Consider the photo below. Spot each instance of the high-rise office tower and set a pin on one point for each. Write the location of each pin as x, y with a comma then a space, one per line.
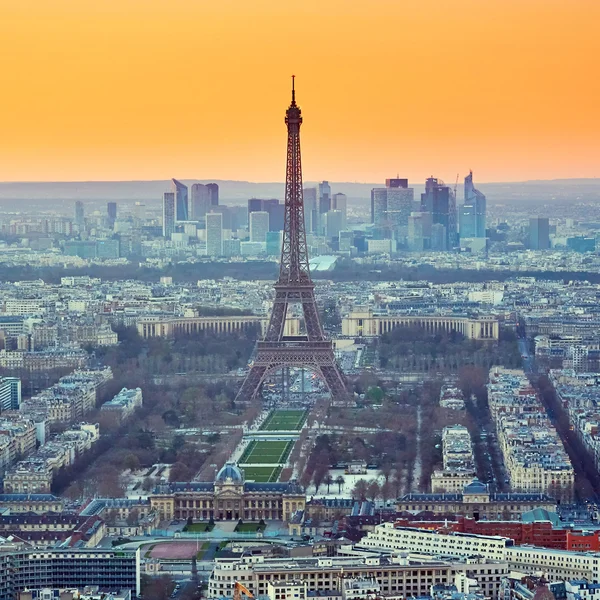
272, 207
274, 243
333, 224
168, 214
214, 234
259, 226
111, 213
139, 212
439, 200
391, 206
276, 212
239, 217
181, 200
310, 209
340, 202
213, 190
10, 393
79, 214
539, 233
200, 202
324, 206
378, 206
227, 218
419, 231
472, 212
346, 239
255, 205
439, 237
324, 197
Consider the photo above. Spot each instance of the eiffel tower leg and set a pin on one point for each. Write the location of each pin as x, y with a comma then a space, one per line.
335, 381
311, 316
251, 386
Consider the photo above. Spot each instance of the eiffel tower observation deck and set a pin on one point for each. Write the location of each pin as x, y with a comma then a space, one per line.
311, 350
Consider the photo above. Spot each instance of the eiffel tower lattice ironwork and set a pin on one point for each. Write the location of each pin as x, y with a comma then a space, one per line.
294, 286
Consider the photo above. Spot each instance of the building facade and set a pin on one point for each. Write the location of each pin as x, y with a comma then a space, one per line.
229, 498
364, 322
477, 502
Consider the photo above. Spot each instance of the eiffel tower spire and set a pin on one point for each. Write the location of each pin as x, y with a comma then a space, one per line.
294, 286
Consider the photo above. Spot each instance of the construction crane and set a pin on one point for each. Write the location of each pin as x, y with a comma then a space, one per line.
239, 590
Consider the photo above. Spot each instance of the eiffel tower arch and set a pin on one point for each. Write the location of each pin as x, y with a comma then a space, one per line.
294, 286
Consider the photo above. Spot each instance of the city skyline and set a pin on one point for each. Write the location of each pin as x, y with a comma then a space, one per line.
506, 110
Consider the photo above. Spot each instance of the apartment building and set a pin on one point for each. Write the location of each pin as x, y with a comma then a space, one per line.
458, 461
477, 502
124, 403
45, 531
533, 453
34, 475
396, 575
25, 569
31, 503
555, 564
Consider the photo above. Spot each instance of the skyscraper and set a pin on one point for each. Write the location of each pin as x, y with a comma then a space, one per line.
214, 234
273, 207
79, 214
333, 224
274, 243
111, 213
378, 206
391, 206
324, 192
310, 209
419, 231
472, 212
181, 200
324, 197
539, 233
259, 226
213, 190
200, 202
439, 200
168, 214
340, 202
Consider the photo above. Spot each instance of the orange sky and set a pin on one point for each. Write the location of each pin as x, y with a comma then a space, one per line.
152, 89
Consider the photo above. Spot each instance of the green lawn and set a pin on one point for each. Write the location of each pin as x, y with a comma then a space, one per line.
285, 420
262, 474
198, 527
249, 527
267, 452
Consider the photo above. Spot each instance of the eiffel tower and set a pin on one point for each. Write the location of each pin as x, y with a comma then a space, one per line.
294, 286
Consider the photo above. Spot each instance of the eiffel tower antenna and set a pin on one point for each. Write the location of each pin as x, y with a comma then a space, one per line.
294, 286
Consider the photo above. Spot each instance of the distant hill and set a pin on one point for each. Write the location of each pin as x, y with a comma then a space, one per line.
237, 192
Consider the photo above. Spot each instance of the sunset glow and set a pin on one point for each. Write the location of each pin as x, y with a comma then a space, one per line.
152, 89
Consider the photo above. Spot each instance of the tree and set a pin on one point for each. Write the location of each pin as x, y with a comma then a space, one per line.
340, 482
386, 491
375, 394
319, 476
132, 517
148, 484
157, 588
328, 481
373, 490
360, 489
74, 491
179, 472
